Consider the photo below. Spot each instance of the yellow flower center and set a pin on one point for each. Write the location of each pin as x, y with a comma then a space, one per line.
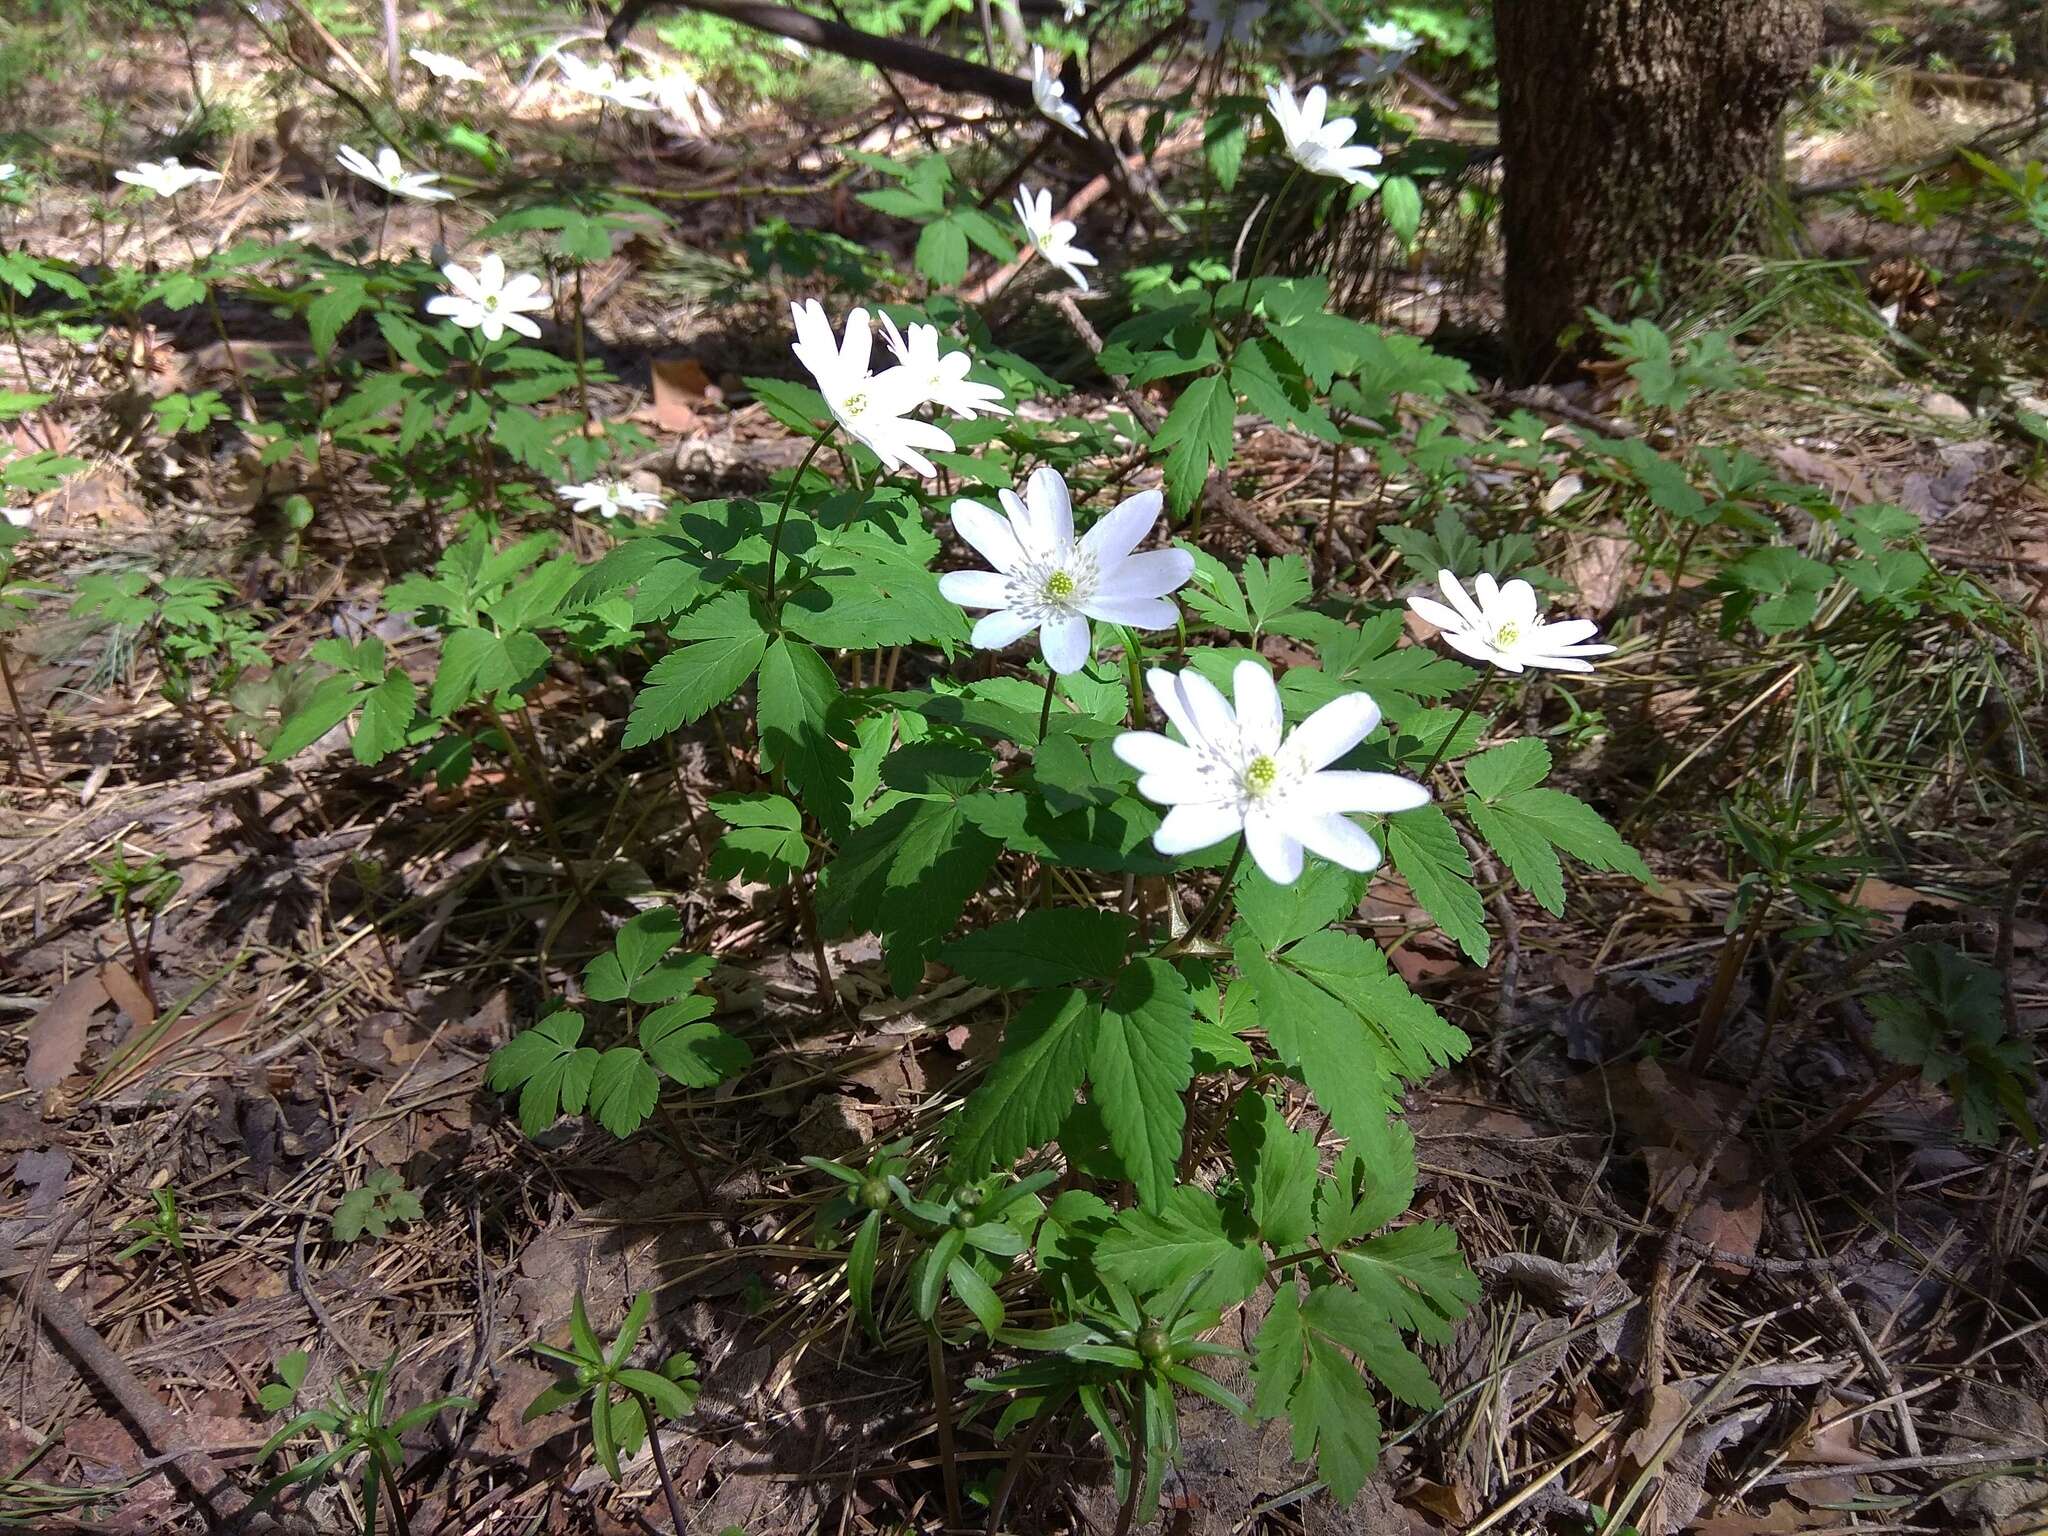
1059, 586
1261, 774
856, 403
490, 301
1507, 635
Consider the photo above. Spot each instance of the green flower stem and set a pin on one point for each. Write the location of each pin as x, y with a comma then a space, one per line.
390, 1480
1134, 674
781, 517
1259, 252
1471, 703
1052, 681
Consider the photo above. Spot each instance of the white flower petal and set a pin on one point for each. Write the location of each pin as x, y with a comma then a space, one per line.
1150, 752
1186, 828
1260, 720
1064, 640
1214, 720
1154, 573
1137, 612
1123, 528
1460, 599
1050, 509
975, 589
1333, 730
1380, 794
1164, 687
1272, 849
988, 534
1436, 613
1340, 841
1002, 628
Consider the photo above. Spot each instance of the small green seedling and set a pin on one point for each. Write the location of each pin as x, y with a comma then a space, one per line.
352, 1429
374, 1205
620, 1395
145, 887
165, 1228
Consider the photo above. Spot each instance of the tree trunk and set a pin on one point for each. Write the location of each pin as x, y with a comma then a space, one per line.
1636, 136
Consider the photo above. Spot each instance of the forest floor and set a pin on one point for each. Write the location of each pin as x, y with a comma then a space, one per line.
1793, 1335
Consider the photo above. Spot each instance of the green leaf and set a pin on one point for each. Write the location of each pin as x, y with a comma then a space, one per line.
1141, 1065
1355, 1084
795, 701
906, 875
1277, 915
1520, 764
1278, 1167
1346, 1318
1411, 1036
942, 252
548, 1067
860, 1272
1158, 1252
976, 1294
766, 842
329, 704
1199, 431
1401, 203
1047, 947
694, 1053
684, 685
1029, 1092
623, 1089
1415, 1278
645, 938
1525, 827
386, 719
1424, 848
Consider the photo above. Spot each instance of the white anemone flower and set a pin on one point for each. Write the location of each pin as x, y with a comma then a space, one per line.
1502, 628
601, 80
7, 170
490, 301
1045, 579
445, 66
1049, 95
941, 376
1236, 20
1052, 238
389, 172
874, 408
1073, 10
20, 517
608, 498
1325, 149
1238, 770
165, 178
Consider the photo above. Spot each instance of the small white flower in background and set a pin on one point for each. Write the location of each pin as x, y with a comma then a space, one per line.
389, 172
1045, 579
165, 178
1387, 46
445, 66
1237, 770
1073, 10
602, 81
608, 498
1319, 147
1050, 96
21, 517
874, 408
488, 300
1237, 20
7, 170
1502, 628
941, 377
1052, 238
678, 95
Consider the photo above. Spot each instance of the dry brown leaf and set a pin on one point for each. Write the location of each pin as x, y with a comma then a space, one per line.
1668, 1409
128, 995
681, 387
56, 1036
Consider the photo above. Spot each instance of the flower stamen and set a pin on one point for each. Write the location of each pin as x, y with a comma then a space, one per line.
1261, 774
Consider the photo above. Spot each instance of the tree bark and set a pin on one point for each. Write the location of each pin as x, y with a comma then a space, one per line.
1637, 136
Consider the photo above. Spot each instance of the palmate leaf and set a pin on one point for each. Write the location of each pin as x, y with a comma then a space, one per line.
623, 1088
1351, 1079
1198, 431
1191, 1234
1029, 1092
695, 1053
726, 644
550, 1070
1142, 1061
1415, 1277
766, 842
1278, 1167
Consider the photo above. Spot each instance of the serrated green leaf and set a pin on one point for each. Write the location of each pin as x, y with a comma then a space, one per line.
1423, 846
1520, 764
1198, 432
1157, 1252
694, 1053
1278, 1167
1139, 1069
1415, 1277
623, 1089
795, 700
1029, 1091
1046, 947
